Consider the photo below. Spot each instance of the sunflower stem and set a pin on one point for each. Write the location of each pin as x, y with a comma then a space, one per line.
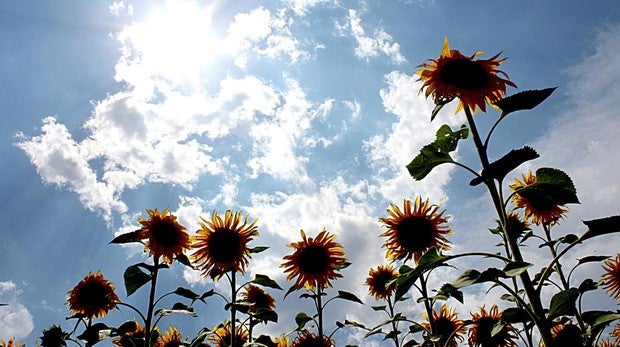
233, 310
151, 307
319, 309
394, 323
532, 294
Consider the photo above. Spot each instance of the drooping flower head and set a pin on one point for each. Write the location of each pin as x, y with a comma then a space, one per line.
611, 278
537, 207
381, 281
480, 333
308, 339
473, 82
315, 261
93, 296
222, 335
221, 245
171, 338
258, 298
446, 325
166, 238
415, 229
54, 336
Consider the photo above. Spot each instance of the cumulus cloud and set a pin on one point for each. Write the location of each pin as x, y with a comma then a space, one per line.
15, 319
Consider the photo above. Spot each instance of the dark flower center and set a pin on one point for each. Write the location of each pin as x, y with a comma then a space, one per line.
570, 335
415, 233
484, 327
381, 280
464, 74
165, 233
93, 295
538, 201
445, 328
313, 259
224, 245
172, 344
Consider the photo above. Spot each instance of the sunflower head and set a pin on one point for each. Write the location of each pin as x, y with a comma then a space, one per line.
415, 229
92, 297
308, 339
567, 334
611, 279
381, 281
131, 334
516, 226
538, 207
447, 326
221, 245
222, 335
258, 299
166, 238
171, 338
54, 336
474, 81
483, 323
315, 261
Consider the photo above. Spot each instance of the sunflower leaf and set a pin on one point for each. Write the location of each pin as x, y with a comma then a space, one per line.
348, 296
127, 237
265, 281
290, 290
134, 279
563, 303
301, 319
587, 285
95, 333
437, 152
183, 259
467, 278
427, 261
552, 187
515, 315
516, 268
525, 100
186, 293
264, 315
602, 226
200, 337
177, 308
258, 249
595, 318
500, 168
448, 290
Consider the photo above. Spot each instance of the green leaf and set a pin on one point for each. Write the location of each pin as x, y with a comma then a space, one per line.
183, 259
265, 281
595, 318
200, 337
516, 268
448, 290
587, 285
378, 308
186, 293
427, 261
602, 226
513, 315
301, 319
552, 187
500, 168
177, 308
127, 237
467, 278
134, 279
265, 315
352, 323
437, 152
95, 333
525, 100
348, 296
258, 249
291, 289
563, 303
592, 259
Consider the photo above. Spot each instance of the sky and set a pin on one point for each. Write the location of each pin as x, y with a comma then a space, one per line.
300, 113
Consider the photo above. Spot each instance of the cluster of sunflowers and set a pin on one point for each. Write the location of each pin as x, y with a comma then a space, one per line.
416, 244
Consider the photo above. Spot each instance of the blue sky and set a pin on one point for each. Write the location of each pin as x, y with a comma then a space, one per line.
301, 113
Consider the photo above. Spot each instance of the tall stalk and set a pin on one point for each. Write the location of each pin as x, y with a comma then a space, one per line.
151, 307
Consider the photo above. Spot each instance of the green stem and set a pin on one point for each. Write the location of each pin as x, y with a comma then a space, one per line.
319, 310
151, 307
513, 245
233, 310
394, 323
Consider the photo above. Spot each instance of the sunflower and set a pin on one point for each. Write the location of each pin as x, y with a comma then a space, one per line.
608, 343
483, 323
171, 338
381, 282
308, 339
132, 334
314, 261
474, 82
54, 336
611, 278
616, 332
516, 226
538, 207
222, 245
567, 334
258, 298
446, 325
11, 343
92, 297
281, 341
414, 230
166, 237
222, 335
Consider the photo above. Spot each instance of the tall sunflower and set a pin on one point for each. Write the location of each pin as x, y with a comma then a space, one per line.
54, 336
166, 238
446, 325
171, 338
315, 261
381, 282
221, 336
308, 339
611, 278
258, 298
454, 75
93, 296
221, 245
537, 207
414, 230
483, 323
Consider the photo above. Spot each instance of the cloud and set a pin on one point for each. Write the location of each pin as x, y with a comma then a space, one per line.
15, 319
370, 46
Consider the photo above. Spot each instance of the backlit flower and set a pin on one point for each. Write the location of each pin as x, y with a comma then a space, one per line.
132, 334
315, 261
222, 243
171, 338
483, 323
166, 238
446, 325
11, 343
567, 334
92, 297
258, 298
474, 82
537, 207
608, 343
54, 336
415, 229
381, 281
308, 339
222, 336
611, 277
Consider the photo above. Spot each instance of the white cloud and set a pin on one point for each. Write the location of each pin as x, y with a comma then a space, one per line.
370, 46
301, 7
15, 319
